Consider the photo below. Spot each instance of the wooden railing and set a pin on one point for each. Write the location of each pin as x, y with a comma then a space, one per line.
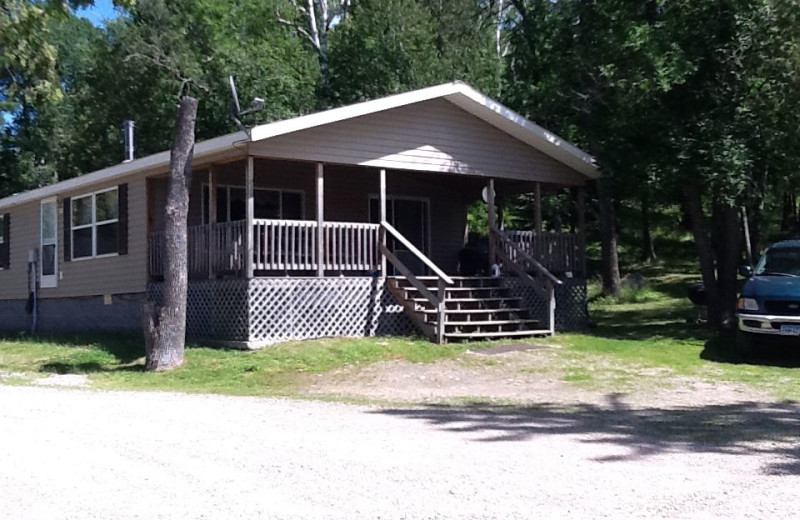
436, 300
227, 247
284, 245
520, 262
292, 245
558, 252
278, 245
350, 246
218, 248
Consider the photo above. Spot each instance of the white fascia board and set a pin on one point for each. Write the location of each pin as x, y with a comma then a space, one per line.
159, 160
523, 129
335, 115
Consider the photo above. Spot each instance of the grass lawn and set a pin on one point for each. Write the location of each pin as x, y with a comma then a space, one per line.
116, 361
645, 339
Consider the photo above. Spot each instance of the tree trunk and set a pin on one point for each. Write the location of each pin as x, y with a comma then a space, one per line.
728, 252
608, 239
165, 323
648, 247
324, 68
786, 208
705, 250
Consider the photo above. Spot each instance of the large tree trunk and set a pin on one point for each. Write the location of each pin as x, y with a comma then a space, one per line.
705, 250
728, 243
608, 239
648, 246
165, 323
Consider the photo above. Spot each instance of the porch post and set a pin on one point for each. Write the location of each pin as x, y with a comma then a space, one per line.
537, 208
320, 220
492, 224
248, 250
212, 218
581, 203
383, 218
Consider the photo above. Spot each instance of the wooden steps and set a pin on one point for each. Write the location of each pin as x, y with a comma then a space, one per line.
475, 308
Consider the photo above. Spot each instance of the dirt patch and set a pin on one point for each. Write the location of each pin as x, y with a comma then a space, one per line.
505, 349
529, 375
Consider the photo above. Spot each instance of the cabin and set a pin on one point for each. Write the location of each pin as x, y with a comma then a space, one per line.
347, 222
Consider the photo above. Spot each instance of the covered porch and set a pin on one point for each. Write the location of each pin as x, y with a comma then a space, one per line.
398, 258
228, 236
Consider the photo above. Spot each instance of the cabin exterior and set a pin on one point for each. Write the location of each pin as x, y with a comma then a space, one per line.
348, 222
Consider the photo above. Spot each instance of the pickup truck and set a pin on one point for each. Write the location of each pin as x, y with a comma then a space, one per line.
768, 309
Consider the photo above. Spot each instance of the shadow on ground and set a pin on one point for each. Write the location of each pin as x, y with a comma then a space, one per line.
782, 352
647, 324
126, 348
746, 428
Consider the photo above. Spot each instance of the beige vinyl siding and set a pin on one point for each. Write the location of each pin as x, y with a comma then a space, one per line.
434, 136
110, 275
85, 277
24, 236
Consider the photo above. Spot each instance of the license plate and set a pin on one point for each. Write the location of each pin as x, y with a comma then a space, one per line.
790, 330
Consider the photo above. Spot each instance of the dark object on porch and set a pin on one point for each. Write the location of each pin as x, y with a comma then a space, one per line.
473, 260
696, 293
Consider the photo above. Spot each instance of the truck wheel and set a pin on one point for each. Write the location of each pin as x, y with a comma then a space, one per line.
745, 344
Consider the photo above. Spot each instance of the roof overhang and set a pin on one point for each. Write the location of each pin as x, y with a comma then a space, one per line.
458, 93
461, 95
211, 147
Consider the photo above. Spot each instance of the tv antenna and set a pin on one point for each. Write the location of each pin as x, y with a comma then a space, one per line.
235, 109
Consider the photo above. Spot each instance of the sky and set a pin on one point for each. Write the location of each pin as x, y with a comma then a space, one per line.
101, 10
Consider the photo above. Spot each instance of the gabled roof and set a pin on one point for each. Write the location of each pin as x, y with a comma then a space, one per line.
458, 93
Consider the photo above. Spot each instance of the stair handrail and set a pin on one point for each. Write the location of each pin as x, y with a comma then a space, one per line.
524, 255
550, 280
419, 254
437, 300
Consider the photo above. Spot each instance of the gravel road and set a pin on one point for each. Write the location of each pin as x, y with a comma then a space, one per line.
80, 454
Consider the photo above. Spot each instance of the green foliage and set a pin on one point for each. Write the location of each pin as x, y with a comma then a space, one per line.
389, 46
135, 68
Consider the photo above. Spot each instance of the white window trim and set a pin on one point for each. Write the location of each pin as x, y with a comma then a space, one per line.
228, 187
93, 224
49, 281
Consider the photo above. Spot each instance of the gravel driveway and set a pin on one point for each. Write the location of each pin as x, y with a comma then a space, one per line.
70, 454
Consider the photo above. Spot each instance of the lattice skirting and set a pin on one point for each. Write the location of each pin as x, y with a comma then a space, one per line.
262, 311
572, 310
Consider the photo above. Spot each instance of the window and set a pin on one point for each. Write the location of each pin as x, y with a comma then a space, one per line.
268, 204
95, 224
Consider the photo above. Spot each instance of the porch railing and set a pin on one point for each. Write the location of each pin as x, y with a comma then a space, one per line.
292, 245
219, 248
278, 245
520, 262
558, 252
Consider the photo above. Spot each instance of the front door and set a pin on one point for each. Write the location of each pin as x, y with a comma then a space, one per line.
48, 252
411, 217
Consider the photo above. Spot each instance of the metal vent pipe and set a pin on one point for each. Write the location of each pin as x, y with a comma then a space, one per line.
127, 136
